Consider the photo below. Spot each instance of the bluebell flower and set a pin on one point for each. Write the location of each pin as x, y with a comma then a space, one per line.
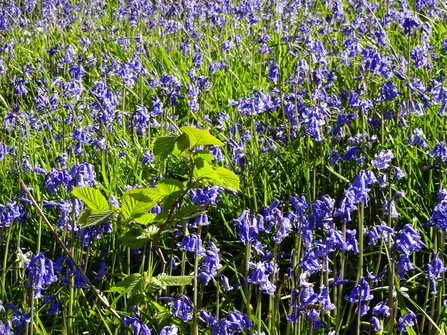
56, 178
418, 138
419, 56
169, 330
192, 243
382, 309
389, 206
360, 295
225, 282
148, 157
439, 151
261, 272
403, 265
101, 271
408, 240
210, 265
182, 307
406, 320
41, 274
377, 326
325, 299
5, 328
206, 196
139, 328
382, 159
54, 304
19, 320
389, 91
398, 174
434, 270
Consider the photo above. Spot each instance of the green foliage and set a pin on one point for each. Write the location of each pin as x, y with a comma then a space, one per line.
92, 197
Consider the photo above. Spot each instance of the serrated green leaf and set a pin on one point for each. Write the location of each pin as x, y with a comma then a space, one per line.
162, 318
183, 142
186, 211
145, 219
85, 213
98, 218
127, 284
200, 137
167, 280
153, 193
151, 230
133, 239
229, 179
163, 146
172, 187
204, 170
205, 155
92, 198
135, 203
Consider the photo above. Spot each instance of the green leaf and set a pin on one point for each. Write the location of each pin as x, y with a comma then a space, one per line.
172, 187
183, 142
85, 213
186, 211
136, 202
167, 280
152, 193
200, 137
92, 198
145, 219
204, 170
95, 219
229, 179
128, 284
205, 155
133, 239
163, 146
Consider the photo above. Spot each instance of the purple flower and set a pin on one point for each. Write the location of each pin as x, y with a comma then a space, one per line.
439, 151
101, 271
139, 328
382, 159
406, 320
41, 274
382, 309
403, 265
182, 307
408, 240
210, 265
360, 295
419, 57
148, 157
192, 243
375, 321
169, 330
418, 138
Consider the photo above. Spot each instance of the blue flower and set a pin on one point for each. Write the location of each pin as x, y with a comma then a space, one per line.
360, 295
406, 320
139, 328
382, 159
41, 274
182, 307
169, 330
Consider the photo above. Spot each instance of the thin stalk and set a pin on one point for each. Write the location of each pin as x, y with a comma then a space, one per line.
195, 326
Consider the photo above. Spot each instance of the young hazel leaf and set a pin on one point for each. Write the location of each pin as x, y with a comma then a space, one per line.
167, 280
200, 137
204, 170
172, 187
133, 239
228, 178
98, 218
92, 198
163, 146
